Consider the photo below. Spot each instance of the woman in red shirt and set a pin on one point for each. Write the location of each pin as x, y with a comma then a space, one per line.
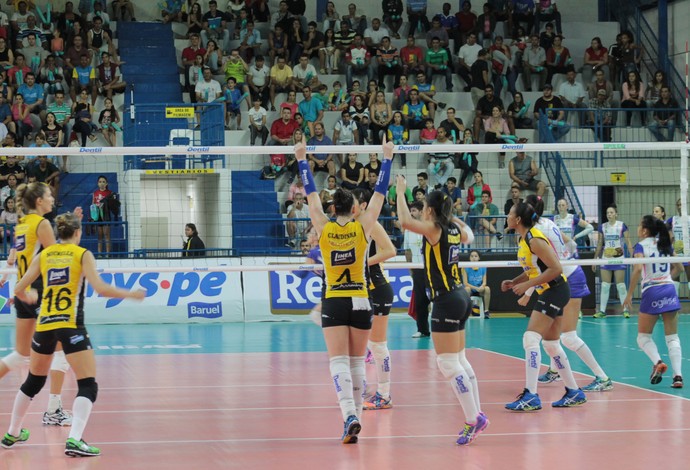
100, 212
596, 58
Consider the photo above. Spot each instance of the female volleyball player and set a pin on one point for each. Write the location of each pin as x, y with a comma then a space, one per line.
659, 213
345, 311
675, 225
62, 268
566, 249
543, 273
610, 245
381, 248
33, 234
659, 298
443, 237
568, 222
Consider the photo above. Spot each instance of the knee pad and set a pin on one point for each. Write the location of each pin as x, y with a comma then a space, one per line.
571, 340
339, 365
449, 365
643, 339
315, 316
357, 365
379, 350
88, 388
33, 384
14, 360
531, 340
59, 363
552, 347
672, 341
622, 290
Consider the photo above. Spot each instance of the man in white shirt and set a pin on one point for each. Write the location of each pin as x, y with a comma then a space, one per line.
257, 122
412, 245
534, 62
259, 80
304, 74
208, 89
374, 34
572, 93
345, 132
298, 230
467, 55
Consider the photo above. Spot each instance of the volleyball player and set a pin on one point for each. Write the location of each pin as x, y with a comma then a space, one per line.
62, 268
566, 249
659, 213
610, 245
675, 224
568, 222
543, 273
346, 312
381, 248
443, 237
659, 298
33, 234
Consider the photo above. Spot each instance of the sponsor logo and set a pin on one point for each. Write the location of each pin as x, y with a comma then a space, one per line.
533, 360
198, 149
58, 277
461, 384
666, 301
410, 148
614, 146
311, 148
342, 258
512, 147
454, 254
336, 382
53, 319
202, 310
76, 339
559, 363
20, 242
449, 320
387, 364
91, 150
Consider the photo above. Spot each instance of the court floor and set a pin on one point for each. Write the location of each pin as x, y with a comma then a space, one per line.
260, 396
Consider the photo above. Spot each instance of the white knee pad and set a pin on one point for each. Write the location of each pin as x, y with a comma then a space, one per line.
449, 365
531, 340
14, 360
571, 340
379, 350
315, 316
59, 363
644, 339
552, 347
339, 365
672, 341
622, 290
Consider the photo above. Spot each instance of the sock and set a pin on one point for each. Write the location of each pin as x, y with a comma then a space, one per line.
676, 284
604, 296
81, 410
674, 353
382, 357
342, 379
54, 404
21, 405
622, 291
572, 341
530, 341
472, 378
359, 374
646, 344
554, 349
460, 383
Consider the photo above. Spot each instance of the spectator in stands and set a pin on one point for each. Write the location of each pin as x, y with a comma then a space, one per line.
291, 103
343, 40
278, 44
422, 183
297, 230
387, 62
518, 113
54, 135
189, 55
232, 95
63, 114
296, 8
345, 131
467, 161
19, 17
358, 61
30, 28
467, 20
416, 16
7, 194
534, 62
523, 171
352, 173
195, 22
260, 11
600, 83
596, 58
547, 10
415, 111
16, 74
84, 78
523, 12
455, 194
392, 15
327, 53
257, 122
441, 165
195, 74
484, 221
171, 10
373, 36
546, 37
33, 99
449, 23
52, 77
453, 125
250, 41
484, 108
480, 74
600, 115
438, 62
123, 9
259, 81
83, 112
501, 59
633, 97
280, 80
486, 25
572, 94
110, 122
321, 161
555, 119
46, 172
381, 116
664, 116
331, 18
281, 17
208, 89
6, 55
304, 74
215, 25
98, 40
411, 57
514, 199
615, 62
314, 41
193, 247
5, 117
282, 129
310, 108
475, 191
654, 88
34, 54
467, 55
11, 168
357, 22
360, 113
213, 58
21, 119
109, 78
630, 54
439, 32
558, 58
495, 130
427, 92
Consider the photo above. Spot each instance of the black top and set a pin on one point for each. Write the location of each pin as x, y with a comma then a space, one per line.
352, 173
544, 105
485, 106
476, 71
375, 273
441, 262
193, 243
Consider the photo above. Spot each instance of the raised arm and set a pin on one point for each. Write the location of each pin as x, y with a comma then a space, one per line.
318, 218
384, 246
369, 219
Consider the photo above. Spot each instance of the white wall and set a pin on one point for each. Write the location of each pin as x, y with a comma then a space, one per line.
678, 20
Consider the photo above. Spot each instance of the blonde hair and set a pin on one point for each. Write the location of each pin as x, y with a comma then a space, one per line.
66, 225
27, 195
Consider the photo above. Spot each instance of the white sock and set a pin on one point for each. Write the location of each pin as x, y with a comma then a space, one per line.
21, 405
81, 410
382, 357
622, 291
647, 344
555, 350
604, 296
532, 360
342, 379
472, 378
572, 341
54, 403
675, 354
460, 383
359, 374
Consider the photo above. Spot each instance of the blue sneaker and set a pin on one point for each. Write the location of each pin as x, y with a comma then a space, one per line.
526, 401
598, 385
351, 429
572, 397
549, 376
471, 431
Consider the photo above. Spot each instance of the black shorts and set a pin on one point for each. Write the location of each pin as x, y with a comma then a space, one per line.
450, 311
339, 311
381, 300
27, 311
552, 301
73, 340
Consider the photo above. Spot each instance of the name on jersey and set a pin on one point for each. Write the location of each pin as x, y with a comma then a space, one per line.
58, 276
20, 242
342, 236
342, 258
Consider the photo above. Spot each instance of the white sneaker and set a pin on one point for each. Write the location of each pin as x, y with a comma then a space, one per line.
58, 418
419, 335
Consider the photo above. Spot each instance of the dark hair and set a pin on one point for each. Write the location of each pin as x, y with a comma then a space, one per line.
423, 175
657, 228
527, 215
453, 179
442, 206
662, 209
537, 204
487, 192
343, 200
419, 205
4, 204
66, 225
362, 195
28, 194
193, 227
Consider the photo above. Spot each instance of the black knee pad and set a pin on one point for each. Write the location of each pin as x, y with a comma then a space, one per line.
33, 384
88, 388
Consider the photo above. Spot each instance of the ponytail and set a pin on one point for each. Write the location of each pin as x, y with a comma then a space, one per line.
528, 217
442, 206
537, 204
664, 242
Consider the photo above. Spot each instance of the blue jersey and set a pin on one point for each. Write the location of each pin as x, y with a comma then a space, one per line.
475, 277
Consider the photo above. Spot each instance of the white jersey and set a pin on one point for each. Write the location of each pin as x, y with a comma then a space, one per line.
676, 223
553, 233
653, 274
613, 238
567, 224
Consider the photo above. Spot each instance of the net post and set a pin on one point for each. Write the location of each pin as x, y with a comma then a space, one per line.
684, 192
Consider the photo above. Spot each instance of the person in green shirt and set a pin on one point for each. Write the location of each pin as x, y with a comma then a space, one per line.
437, 62
484, 225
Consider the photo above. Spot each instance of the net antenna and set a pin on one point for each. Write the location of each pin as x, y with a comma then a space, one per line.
684, 156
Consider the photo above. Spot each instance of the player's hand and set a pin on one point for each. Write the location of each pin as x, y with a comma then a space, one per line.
31, 297
506, 285
79, 213
139, 294
520, 289
524, 300
301, 150
400, 184
387, 148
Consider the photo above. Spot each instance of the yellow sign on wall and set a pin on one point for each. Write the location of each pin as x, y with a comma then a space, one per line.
618, 178
179, 112
191, 171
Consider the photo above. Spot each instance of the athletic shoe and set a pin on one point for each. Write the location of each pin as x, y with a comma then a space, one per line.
75, 448
626, 314
420, 335
8, 440
572, 397
351, 429
677, 382
471, 431
377, 402
598, 385
58, 418
487, 315
599, 315
370, 358
549, 376
526, 401
579, 315
657, 371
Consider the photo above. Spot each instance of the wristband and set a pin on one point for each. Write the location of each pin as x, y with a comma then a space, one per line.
384, 177
307, 177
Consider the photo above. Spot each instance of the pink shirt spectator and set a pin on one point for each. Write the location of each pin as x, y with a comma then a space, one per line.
488, 125
632, 94
294, 189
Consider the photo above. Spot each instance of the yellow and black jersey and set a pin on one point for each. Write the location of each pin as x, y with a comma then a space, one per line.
62, 305
375, 274
344, 251
530, 262
27, 245
441, 261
